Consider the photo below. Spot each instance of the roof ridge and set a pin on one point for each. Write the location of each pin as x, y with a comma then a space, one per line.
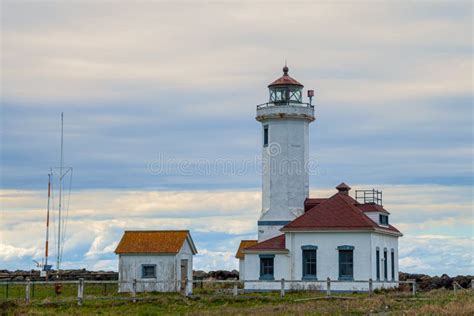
357, 210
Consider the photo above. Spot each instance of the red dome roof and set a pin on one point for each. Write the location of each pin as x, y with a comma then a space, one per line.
285, 80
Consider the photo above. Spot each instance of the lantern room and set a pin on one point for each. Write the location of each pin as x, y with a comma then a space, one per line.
285, 89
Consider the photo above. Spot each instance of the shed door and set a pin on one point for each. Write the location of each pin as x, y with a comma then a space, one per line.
184, 272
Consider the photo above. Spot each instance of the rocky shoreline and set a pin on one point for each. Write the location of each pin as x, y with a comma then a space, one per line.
34, 275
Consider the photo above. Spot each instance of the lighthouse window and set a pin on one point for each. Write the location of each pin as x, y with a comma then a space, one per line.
393, 264
267, 267
377, 262
309, 262
295, 95
346, 262
383, 219
265, 135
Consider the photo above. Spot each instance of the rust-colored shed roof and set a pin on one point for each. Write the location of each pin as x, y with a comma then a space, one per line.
244, 244
154, 241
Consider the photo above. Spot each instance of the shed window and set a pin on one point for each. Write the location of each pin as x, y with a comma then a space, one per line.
385, 264
377, 263
267, 267
346, 262
383, 219
148, 271
309, 262
265, 135
393, 264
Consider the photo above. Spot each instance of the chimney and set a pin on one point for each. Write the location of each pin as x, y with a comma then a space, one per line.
343, 188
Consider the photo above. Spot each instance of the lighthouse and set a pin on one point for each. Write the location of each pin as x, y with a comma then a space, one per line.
302, 239
285, 123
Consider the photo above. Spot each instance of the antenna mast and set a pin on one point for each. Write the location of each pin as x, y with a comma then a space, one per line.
60, 195
45, 267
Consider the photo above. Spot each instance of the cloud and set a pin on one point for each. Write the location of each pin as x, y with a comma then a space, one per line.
437, 254
219, 220
99, 49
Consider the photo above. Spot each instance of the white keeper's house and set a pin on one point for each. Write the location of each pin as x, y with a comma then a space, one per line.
339, 237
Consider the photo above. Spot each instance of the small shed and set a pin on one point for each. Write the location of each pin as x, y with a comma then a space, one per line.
160, 260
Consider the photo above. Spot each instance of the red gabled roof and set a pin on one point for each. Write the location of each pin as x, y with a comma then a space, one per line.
339, 212
244, 244
372, 207
275, 243
309, 203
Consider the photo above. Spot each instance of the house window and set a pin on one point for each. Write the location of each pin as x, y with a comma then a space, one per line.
267, 263
265, 135
383, 219
385, 260
377, 263
393, 264
148, 271
309, 261
346, 262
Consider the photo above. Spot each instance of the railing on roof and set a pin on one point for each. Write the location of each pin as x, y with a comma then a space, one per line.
369, 196
296, 104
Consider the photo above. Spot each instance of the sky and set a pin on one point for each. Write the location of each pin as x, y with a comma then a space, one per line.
159, 102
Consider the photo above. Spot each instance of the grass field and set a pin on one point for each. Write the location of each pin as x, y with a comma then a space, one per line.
436, 302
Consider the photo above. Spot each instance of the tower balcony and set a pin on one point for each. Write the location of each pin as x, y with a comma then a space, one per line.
282, 110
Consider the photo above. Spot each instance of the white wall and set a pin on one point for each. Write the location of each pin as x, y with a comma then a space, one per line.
289, 266
241, 269
328, 255
185, 254
374, 216
252, 271
388, 242
130, 268
285, 179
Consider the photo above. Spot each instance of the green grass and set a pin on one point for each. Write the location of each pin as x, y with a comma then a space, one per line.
436, 302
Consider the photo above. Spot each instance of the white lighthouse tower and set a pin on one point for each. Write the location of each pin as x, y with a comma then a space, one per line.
285, 140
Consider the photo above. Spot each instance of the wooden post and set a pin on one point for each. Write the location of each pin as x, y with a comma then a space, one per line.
371, 287
27, 294
328, 287
282, 290
236, 291
80, 292
134, 290
6, 292
186, 282
414, 287
472, 285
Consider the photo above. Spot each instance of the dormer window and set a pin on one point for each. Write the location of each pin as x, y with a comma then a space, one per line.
383, 219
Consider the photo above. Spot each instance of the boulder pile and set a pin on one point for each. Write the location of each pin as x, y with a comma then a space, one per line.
426, 282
